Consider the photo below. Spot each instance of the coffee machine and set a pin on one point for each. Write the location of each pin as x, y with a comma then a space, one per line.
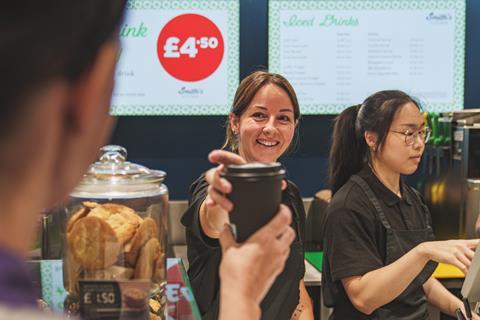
466, 164
451, 173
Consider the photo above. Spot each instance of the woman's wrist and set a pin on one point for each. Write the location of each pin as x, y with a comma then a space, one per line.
423, 252
207, 226
455, 304
236, 305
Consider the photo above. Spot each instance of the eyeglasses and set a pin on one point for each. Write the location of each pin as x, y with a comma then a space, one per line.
412, 136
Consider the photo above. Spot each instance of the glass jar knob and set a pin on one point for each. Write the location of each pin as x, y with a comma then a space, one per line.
113, 154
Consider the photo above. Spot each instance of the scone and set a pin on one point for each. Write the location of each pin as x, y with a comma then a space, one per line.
147, 230
93, 243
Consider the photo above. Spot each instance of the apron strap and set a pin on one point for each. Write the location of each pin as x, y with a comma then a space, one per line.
426, 211
373, 199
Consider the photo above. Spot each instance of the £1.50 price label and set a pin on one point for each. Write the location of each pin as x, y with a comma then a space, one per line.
190, 47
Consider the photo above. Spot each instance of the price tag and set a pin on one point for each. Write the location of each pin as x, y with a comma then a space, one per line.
190, 47
100, 300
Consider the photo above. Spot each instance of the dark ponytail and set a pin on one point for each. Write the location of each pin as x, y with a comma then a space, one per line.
349, 151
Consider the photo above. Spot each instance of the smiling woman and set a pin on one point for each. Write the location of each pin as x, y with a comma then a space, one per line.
260, 128
264, 116
266, 127
260, 96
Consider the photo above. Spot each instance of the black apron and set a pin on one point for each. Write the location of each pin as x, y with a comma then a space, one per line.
284, 295
412, 303
285, 292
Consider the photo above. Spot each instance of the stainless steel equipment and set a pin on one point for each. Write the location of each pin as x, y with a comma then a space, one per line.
451, 174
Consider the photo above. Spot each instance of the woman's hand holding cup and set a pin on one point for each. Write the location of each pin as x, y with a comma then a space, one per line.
215, 208
219, 186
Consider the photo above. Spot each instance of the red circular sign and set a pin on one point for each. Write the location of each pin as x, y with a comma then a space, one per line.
190, 47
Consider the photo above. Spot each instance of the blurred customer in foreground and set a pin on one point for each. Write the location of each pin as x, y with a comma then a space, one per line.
57, 60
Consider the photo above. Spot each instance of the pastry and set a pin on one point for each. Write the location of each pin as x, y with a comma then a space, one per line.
73, 270
125, 211
90, 204
112, 273
146, 231
159, 268
153, 316
124, 228
100, 212
93, 243
154, 305
135, 298
123, 220
146, 260
79, 214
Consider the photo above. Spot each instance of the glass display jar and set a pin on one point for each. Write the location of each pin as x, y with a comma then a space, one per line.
116, 241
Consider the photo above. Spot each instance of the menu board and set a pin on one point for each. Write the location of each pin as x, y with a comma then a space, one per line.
337, 53
177, 58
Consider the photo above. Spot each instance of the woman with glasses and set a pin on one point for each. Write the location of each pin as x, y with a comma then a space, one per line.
378, 250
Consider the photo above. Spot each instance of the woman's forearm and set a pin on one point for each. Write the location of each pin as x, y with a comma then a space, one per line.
381, 286
212, 220
440, 297
304, 310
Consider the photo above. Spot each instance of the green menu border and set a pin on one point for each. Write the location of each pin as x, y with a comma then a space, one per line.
459, 6
233, 43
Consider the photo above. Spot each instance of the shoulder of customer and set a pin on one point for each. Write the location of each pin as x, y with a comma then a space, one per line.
10, 313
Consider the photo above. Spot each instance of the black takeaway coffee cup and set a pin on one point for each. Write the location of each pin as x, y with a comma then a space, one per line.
256, 195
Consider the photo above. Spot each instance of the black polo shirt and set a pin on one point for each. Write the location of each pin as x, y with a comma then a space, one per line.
355, 239
204, 256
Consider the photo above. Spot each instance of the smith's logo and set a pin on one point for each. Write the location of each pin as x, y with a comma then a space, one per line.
190, 92
439, 18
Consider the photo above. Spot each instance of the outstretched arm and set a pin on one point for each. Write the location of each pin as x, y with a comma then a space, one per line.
381, 286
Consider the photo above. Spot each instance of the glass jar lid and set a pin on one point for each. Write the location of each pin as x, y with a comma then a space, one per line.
112, 176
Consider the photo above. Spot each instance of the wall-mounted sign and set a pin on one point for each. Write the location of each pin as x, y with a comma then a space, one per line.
336, 53
177, 58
